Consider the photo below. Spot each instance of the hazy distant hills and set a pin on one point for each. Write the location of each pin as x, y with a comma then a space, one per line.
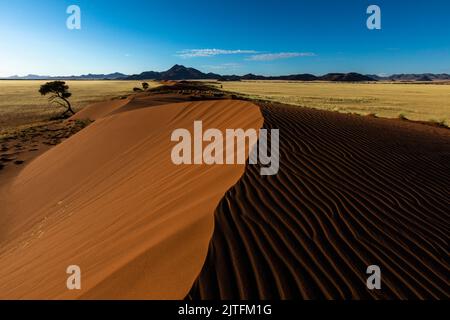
413, 77
179, 72
111, 76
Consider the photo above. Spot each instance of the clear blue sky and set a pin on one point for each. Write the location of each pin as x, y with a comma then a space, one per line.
273, 36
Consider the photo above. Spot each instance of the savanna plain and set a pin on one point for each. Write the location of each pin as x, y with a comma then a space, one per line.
22, 105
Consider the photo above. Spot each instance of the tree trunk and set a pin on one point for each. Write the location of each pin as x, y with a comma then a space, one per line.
69, 107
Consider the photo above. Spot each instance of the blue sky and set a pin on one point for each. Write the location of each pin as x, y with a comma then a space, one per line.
270, 37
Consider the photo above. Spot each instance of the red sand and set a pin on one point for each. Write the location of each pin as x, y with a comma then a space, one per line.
351, 192
110, 200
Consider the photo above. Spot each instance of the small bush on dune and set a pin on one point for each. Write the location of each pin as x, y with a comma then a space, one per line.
82, 123
439, 123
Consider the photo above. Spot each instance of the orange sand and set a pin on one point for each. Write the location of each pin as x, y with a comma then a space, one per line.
110, 200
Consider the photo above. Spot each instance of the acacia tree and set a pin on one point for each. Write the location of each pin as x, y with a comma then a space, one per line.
59, 94
145, 85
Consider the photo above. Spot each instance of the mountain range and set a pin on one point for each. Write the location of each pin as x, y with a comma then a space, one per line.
179, 72
90, 76
413, 77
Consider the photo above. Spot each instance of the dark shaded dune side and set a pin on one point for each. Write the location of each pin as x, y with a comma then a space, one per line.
351, 192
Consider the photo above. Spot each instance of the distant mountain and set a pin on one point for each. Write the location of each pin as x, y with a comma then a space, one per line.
110, 76
179, 72
413, 77
346, 77
250, 76
419, 77
28, 77
147, 75
424, 78
299, 77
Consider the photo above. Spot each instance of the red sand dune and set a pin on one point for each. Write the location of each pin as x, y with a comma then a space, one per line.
110, 200
351, 192
99, 110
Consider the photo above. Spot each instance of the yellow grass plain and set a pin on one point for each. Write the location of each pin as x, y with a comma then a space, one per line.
425, 102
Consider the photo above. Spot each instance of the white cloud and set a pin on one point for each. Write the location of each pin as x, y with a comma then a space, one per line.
194, 53
223, 66
280, 55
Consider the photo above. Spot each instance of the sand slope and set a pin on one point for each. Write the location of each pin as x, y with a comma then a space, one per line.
143, 100
351, 192
110, 200
100, 109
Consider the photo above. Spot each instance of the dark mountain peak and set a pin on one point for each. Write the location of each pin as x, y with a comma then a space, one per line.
346, 77
177, 67
177, 72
